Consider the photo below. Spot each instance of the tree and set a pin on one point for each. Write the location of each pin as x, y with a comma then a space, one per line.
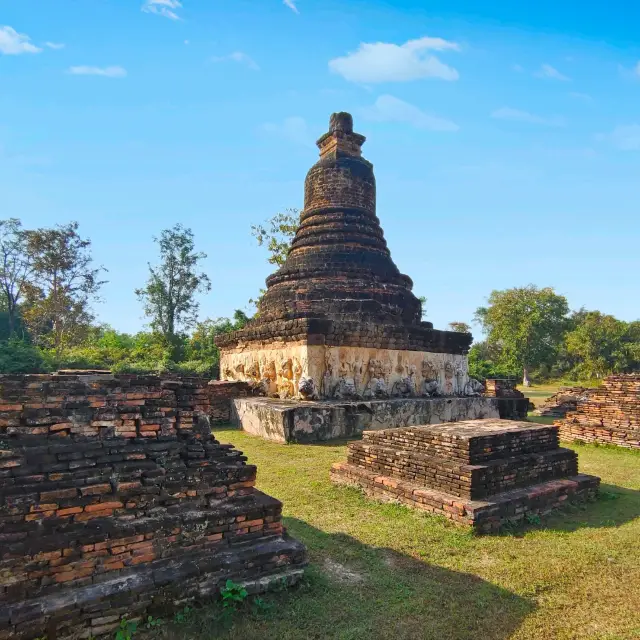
276, 233
169, 295
527, 324
460, 327
15, 268
64, 283
603, 344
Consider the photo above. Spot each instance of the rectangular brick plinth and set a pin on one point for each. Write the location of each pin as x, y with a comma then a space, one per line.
486, 516
477, 472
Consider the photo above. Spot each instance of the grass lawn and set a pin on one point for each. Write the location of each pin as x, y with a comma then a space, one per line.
538, 393
384, 571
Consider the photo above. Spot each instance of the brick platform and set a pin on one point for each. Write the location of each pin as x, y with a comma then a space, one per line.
480, 472
609, 414
116, 500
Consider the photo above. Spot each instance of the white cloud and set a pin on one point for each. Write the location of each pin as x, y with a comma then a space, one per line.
390, 109
517, 68
624, 137
291, 4
54, 45
294, 129
240, 57
547, 71
585, 97
387, 62
107, 72
507, 113
13, 43
166, 8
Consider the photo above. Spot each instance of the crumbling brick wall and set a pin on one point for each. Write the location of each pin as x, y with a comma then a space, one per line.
609, 414
115, 498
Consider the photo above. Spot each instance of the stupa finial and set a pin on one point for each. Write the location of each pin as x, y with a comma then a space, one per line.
341, 121
340, 140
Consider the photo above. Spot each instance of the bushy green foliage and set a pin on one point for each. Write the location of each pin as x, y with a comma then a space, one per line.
19, 356
484, 362
140, 353
602, 344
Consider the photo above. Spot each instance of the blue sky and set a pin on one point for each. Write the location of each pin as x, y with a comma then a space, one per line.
505, 136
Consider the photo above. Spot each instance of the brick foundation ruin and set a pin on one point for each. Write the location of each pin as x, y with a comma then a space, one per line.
562, 402
482, 473
117, 500
609, 414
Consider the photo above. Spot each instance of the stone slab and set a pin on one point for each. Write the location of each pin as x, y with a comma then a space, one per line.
486, 516
307, 422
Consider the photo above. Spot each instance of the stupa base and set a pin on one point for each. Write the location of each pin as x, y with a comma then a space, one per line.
485, 516
307, 422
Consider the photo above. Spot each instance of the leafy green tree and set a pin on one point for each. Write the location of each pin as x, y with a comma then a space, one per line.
169, 297
527, 324
64, 283
19, 356
484, 362
603, 345
459, 327
276, 234
15, 269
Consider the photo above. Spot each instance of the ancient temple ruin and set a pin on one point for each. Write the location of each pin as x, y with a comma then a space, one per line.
116, 501
609, 414
338, 321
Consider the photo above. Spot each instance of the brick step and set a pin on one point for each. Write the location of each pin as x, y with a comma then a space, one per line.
485, 516
460, 479
96, 605
54, 557
472, 441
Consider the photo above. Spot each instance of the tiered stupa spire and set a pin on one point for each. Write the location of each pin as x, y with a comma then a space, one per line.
339, 266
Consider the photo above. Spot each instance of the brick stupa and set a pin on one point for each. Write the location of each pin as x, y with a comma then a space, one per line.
338, 321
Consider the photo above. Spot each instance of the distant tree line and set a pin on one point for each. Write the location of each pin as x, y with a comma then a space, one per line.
48, 284
530, 333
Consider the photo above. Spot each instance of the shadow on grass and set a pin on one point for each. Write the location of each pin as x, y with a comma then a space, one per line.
354, 591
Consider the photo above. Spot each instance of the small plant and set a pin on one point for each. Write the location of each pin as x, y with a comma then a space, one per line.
608, 495
152, 622
183, 616
533, 518
127, 630
233, 595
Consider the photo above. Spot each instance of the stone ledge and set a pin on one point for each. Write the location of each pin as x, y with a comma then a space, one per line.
484, 516
307, 422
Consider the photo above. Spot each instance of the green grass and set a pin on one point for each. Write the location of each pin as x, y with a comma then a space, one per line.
384, 571
540, 392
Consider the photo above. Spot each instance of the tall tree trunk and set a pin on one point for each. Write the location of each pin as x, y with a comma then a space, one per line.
12, 319
525, 377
